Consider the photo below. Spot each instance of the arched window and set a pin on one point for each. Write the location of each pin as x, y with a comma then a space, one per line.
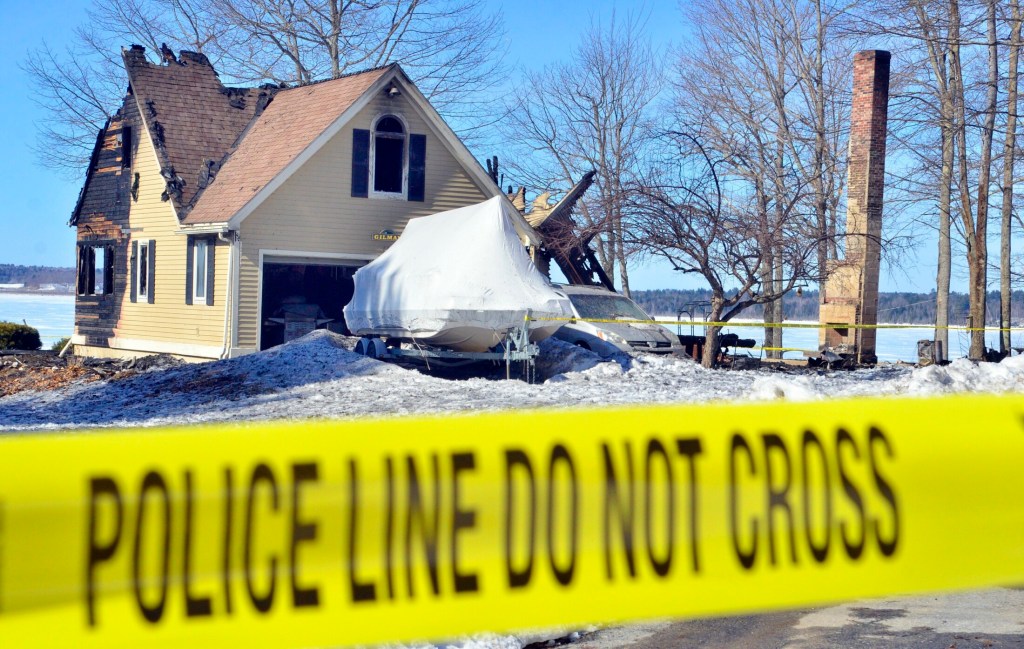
389, 159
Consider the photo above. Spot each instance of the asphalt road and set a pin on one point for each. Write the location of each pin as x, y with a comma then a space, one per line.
982, 619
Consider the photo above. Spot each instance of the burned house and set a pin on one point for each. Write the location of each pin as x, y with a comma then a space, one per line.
218, 221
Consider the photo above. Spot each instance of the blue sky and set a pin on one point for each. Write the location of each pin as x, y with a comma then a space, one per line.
38, 201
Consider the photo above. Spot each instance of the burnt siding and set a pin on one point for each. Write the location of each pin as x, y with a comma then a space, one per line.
103, 219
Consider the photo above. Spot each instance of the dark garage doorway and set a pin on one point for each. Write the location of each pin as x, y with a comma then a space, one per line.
300, 297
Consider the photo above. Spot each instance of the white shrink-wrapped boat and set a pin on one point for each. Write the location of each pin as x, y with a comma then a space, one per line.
459, 280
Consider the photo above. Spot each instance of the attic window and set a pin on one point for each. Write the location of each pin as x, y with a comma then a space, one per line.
389, 162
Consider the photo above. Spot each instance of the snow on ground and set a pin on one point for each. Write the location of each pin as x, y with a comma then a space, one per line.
318, 376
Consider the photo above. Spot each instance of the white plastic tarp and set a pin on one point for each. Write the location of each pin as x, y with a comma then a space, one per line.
459, 279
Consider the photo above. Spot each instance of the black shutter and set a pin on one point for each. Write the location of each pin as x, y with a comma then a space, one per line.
360, 163
151, 292
108, 271
417, 166
126, 146
211, 258
133, 276
190, 252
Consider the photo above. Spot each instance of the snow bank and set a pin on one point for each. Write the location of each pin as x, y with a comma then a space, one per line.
964, 376
318, 376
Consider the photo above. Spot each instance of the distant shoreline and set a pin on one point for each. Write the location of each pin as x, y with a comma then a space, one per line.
21, 291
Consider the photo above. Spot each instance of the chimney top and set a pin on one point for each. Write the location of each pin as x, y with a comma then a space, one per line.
867, 55
136, 54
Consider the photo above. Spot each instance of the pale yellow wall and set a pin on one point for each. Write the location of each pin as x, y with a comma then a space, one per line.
314, 211
168, 319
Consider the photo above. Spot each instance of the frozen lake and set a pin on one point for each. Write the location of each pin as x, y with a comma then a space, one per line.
52, 315
892, 344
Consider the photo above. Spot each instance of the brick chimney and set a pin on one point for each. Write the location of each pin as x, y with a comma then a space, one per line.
850, 294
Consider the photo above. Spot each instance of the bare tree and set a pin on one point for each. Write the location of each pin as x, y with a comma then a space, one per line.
924, 105
759, 83
975, 224
682, 216
589, 113
448, 47
951, 51
75, 95
78, 88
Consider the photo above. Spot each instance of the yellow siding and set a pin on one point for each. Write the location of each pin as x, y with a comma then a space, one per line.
313, 211
168, 319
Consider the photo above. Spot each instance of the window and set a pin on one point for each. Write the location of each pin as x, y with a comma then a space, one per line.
389, 161
199, 272
143, 271
95, 269
143, 285
598, 306
199, 259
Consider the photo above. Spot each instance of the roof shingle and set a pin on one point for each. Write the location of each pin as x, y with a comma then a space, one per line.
288, 125
193, 119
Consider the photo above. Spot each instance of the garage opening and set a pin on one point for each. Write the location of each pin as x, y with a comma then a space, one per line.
300, 297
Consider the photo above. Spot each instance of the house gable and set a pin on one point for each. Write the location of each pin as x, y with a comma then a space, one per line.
192, 119
313, 213
293, 129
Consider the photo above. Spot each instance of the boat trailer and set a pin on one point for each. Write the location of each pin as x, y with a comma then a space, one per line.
515, 350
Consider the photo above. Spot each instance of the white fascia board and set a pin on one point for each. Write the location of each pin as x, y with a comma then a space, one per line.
204, 228
318, 143
272, 253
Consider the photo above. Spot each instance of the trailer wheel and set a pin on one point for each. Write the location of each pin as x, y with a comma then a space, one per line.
370, 347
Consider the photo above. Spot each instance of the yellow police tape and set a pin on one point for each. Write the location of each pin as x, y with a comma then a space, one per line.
359, 532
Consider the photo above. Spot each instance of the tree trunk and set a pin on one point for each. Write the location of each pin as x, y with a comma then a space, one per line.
711, 335
779, 315
620, 253
975, 226
945, 251
979, 261
943, 68
770, 343
1005, 291
820, 99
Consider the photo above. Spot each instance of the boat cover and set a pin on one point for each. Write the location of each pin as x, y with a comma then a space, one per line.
459, 279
